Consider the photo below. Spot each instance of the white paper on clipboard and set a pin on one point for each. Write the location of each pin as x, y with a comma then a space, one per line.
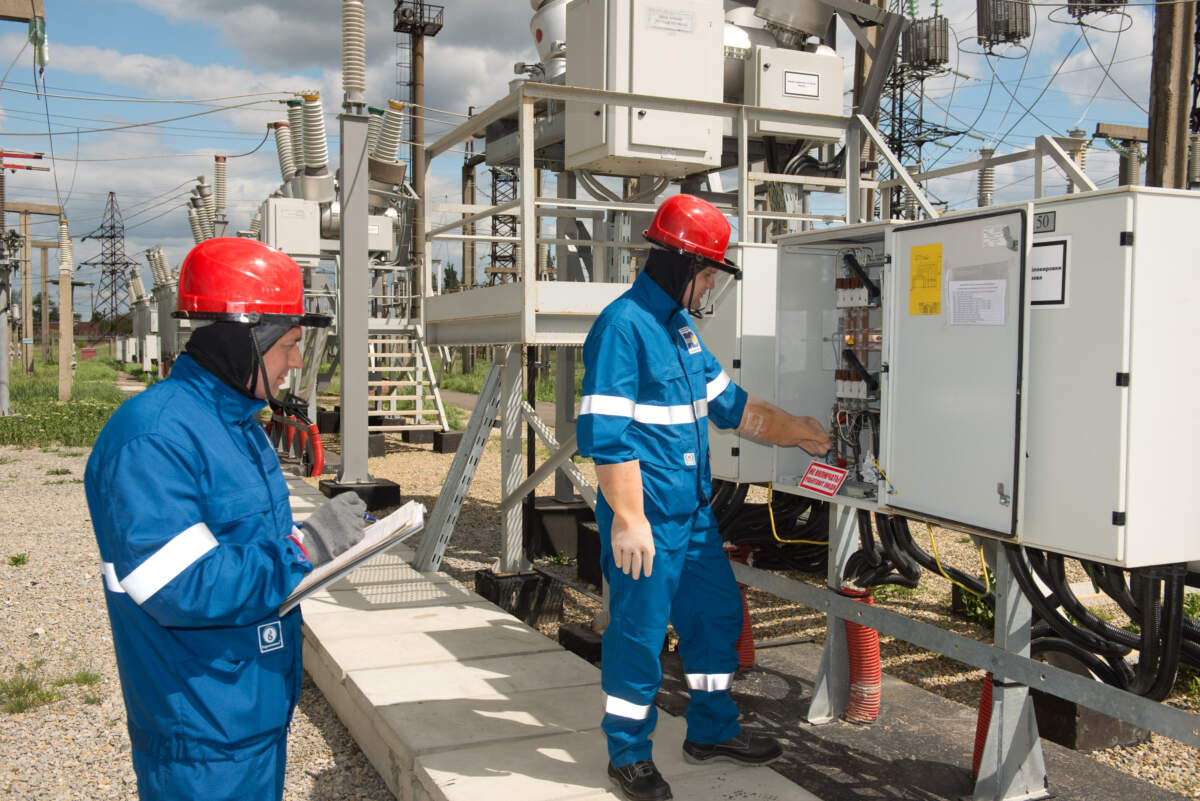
380, 535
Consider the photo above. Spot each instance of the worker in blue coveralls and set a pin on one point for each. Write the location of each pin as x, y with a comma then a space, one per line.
649, 391
192, 517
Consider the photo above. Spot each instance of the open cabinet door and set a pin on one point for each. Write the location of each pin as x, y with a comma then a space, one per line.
953, 390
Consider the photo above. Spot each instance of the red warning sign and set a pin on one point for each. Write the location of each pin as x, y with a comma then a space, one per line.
823, 479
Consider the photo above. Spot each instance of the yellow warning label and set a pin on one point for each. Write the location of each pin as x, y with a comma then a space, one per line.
925, 279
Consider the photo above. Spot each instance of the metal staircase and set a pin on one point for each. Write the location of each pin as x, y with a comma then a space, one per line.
402, 393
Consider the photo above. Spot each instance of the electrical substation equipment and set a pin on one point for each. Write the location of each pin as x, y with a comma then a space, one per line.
739, 327
925, 43
647, 48
1001, 22
1011, 372
1081, 8
549, 29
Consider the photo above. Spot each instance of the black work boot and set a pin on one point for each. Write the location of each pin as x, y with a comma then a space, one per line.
640, 781
744, 749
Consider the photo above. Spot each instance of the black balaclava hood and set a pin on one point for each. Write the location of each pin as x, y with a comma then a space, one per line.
672, 272
233, 351
226, 350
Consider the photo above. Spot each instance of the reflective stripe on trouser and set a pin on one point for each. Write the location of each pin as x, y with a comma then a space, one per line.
256, 773
692, 587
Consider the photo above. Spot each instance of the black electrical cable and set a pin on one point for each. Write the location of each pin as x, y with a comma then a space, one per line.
909, 570
905, 541
1100, 668
1018, 561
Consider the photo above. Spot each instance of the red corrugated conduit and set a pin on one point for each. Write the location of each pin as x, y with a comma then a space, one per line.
745, 643
982, 723
866, 671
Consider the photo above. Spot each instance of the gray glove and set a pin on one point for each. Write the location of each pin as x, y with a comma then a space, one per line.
334, 527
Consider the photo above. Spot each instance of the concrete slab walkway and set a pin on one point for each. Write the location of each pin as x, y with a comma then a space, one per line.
452, 699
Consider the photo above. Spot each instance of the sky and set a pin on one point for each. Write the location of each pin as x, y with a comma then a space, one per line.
141, 94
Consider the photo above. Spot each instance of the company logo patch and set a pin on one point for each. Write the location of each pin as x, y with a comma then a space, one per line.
690, 339
689, 459
270, 637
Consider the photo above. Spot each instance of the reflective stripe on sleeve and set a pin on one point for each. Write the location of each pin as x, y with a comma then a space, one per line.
717, 386
611, 405
111, 582
168, 562
709, 682
648, 413
625, 709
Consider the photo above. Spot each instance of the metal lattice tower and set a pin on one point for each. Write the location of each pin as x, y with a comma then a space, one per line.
112, 292
504, 255
901, 109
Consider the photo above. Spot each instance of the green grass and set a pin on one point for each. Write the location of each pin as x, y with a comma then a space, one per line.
39, 420
893, 592
58, 471
974, 609
25, 690
81, 678
16, 560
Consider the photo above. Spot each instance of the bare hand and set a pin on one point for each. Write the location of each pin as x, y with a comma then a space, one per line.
633, 546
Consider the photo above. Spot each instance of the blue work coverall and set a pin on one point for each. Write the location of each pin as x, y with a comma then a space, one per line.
192, 517
649, 391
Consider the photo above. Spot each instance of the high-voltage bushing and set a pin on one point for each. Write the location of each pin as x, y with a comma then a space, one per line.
385, 170
354, 50
1001, 21
283, 149
926, 43
219, 165
374, 123
316, 183
295, 112
987, 179
1193, 160
1081, 8
194, 221
66, 251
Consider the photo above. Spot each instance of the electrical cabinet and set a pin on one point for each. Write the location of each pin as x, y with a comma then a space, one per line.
379, 234
292, 225
1019, 371
739, 329
665, 48
795, 80
1110, 442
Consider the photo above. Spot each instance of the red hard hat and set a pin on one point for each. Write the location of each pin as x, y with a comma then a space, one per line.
688, 224
242, 280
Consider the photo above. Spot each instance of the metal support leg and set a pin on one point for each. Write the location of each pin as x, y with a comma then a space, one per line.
564, 412
1012, 767
458, 480
831, 691
512, 558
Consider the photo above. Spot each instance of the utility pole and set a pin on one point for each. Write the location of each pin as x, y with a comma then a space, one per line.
1170, 93
418, 19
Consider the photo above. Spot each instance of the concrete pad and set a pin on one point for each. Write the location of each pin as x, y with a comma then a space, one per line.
565, 766
382, 650
496, 678
429, 726
333, 621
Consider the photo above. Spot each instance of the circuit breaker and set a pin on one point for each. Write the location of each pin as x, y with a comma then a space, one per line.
739, 329
665, 48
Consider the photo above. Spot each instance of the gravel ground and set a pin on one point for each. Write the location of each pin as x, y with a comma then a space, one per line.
53, 626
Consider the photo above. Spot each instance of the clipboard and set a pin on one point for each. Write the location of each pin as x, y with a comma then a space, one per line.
377, 537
